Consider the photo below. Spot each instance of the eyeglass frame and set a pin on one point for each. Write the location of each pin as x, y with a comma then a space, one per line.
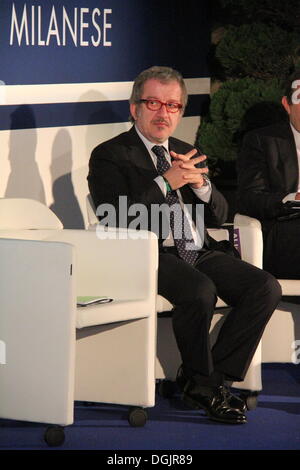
179, 106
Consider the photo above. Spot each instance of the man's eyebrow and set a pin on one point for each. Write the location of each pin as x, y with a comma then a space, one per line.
158, 99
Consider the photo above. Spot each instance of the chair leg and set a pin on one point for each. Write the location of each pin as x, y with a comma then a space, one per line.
54, 436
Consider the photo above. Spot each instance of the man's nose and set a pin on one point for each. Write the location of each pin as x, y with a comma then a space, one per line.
163, 111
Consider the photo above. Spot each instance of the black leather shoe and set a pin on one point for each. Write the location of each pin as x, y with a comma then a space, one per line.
214, 402
233, 400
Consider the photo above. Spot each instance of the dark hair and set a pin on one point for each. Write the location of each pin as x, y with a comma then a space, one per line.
288, 85
163, 75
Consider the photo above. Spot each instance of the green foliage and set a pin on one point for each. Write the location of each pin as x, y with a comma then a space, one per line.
255, 47
283, 13
258, 50
229, 116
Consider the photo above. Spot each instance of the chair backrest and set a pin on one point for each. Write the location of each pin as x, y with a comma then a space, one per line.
21, 213
91, 211
251, 239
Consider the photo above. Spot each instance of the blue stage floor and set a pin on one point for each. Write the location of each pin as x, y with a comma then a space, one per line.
274, 424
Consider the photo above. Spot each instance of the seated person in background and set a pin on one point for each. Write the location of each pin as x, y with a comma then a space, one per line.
149, 167
268, 170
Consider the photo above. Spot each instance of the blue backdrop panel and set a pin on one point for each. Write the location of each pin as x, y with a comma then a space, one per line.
75, 114
81, 41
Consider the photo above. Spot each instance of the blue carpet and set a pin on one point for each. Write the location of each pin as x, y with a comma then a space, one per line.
273, 425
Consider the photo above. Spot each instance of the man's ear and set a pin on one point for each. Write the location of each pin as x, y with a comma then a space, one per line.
286, 104
133, 110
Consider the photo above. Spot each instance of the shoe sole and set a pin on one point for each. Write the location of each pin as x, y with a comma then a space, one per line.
195, 405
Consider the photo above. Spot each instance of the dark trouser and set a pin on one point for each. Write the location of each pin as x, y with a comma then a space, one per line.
282, 250
252, 293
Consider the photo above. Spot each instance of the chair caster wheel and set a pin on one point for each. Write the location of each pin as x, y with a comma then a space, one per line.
251, 400
54, 436
137, 417
166, 388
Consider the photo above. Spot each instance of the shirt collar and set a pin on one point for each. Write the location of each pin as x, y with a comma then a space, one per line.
296, 136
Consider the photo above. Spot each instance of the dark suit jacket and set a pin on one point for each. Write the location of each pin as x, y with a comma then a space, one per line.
267, 171
122, 167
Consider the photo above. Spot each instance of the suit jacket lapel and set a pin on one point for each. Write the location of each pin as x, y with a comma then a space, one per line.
139, 154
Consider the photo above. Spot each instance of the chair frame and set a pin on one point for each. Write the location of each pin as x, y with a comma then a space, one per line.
283, 329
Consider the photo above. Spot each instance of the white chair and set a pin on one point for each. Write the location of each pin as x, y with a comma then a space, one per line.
116, 342
27, 214
168, 357
37, 327
279, 341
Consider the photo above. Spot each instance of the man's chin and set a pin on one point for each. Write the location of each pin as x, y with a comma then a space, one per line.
161, 136
159, 140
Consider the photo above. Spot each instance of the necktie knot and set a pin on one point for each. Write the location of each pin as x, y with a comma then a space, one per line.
159, 150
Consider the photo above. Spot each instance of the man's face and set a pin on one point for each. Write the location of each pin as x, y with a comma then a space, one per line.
157, 126
293, 111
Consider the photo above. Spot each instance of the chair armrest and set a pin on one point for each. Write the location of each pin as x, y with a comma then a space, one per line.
119, 263
249, 232
218, 234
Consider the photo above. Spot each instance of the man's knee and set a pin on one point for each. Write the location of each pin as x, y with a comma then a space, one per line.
195, 313
268, 289
272, 288
204, 295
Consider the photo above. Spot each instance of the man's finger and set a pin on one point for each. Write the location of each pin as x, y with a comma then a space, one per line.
188, 166
181, 156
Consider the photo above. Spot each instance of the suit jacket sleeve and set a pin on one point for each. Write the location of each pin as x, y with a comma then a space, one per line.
260, 178
110, 176
216, 210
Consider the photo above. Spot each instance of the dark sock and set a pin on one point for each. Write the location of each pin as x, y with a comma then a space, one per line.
214, 380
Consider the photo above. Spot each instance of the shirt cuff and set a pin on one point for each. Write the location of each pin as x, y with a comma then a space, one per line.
161, 183
204, 193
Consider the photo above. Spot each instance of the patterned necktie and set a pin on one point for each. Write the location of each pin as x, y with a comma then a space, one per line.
182, 235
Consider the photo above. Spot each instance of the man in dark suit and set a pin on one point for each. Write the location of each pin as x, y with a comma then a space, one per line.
268, 177
149, 167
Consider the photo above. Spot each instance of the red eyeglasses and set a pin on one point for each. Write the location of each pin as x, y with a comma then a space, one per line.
155, 105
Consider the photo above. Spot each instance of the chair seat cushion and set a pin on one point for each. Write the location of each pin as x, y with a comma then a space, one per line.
290, 286
163, 305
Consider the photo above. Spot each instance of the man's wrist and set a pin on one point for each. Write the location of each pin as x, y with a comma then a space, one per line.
205, 183
168, 186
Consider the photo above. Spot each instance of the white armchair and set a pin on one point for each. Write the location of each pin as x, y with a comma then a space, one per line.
168, 357
283, 329
113, 358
